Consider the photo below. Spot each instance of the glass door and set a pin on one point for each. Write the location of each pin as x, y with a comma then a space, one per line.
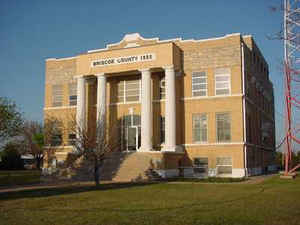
132, 138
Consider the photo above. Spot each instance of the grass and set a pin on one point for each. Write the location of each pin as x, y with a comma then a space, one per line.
209, 180
19, 177
273, 202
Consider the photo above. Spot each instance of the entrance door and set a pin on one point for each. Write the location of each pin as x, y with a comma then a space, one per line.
133, 136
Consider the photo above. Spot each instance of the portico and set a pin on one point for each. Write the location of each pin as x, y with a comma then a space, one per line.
140, 64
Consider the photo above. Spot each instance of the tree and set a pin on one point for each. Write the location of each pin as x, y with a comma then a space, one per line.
33, 141
279, 159
95, 145
10, 119
10, 157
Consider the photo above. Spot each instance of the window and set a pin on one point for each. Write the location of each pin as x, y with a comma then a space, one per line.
129, 91
73, 94
57, 95
199, 128
72, 139
200, 166
56, 139
199, 84
249, 129
222, 81
223, 121
162, 88
224, 165
162, 129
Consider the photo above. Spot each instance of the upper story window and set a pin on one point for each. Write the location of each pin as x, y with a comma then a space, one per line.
222, 81
129, 91
162, 88
57, 95
73, 94
199, 128
223, 121
199, 84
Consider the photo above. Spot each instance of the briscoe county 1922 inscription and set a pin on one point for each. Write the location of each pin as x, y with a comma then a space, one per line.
124, 60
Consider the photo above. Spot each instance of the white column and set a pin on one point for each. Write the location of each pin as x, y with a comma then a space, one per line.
170, 110
146, 112
81, 105
101, 96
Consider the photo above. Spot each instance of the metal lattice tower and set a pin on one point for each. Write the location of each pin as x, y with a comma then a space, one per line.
292, 77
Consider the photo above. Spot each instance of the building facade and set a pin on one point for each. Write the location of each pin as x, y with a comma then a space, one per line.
190, 107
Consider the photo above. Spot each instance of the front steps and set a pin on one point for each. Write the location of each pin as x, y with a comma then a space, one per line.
129, 166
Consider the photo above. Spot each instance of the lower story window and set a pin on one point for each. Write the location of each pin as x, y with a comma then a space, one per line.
73, 100
223, 121
200, 166
162, 129
199, 128
56, 139
224, 165
72, 139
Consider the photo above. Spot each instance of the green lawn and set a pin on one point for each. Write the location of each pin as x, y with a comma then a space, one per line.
272, 202
19, 177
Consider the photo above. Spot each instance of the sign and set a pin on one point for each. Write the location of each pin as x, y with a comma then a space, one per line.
124, 60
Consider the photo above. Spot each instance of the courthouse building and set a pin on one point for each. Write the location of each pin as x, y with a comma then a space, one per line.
189, 107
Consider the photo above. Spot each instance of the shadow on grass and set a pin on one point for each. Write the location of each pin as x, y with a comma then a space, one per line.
71, 189
205, 206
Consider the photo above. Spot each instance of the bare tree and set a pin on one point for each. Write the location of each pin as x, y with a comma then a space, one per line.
33, 141
37, 139
53, 135
95, 144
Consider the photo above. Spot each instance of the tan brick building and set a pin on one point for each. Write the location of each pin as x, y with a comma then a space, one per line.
191, 107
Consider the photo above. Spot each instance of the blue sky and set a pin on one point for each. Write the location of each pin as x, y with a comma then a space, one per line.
33, 30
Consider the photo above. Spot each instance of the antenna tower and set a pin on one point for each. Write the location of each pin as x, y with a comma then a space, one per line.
292, 78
